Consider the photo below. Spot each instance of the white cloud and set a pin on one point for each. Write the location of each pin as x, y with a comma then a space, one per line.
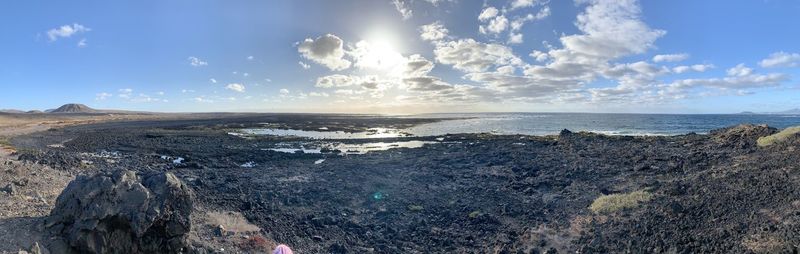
102, 96
695, 67
236, 87
734, 81
305, 66
781, 59
316, 94
514, 38
403, 8
82, 43
496, 25
66, 31
612, 29
516, 4
740, 70
187, 91
506, 70
539, 56
212, 80
326, 50
433, 32
284, 91
472, 56
196, 62
738, 79
670, 58
250, 57
488, 13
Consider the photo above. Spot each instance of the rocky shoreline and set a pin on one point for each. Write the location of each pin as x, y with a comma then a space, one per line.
464, 193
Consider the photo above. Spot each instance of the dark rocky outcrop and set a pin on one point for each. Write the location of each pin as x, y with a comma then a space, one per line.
741, 136
124, 213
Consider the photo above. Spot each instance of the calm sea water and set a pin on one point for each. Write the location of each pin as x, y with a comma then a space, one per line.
614, 124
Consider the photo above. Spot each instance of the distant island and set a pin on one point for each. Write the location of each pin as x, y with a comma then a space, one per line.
795, 111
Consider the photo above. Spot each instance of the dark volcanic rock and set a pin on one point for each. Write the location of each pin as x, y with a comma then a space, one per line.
741, 136
123, 213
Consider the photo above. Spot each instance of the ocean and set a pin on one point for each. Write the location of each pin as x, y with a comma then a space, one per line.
611, 124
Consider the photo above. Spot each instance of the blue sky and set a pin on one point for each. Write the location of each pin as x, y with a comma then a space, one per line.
403, 56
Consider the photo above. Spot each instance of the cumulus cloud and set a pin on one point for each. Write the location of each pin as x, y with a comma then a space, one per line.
670, 58
433, 32
496, 25
611, 29
66, 31
82, 43
326, 50
781, 59
196, 62
473, 56
303, 65
236, 87
488, 13
212, 80
284, 91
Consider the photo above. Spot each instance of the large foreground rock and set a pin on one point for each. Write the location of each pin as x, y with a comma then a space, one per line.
124, 213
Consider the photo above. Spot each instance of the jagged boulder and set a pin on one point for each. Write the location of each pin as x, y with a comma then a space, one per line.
124, 213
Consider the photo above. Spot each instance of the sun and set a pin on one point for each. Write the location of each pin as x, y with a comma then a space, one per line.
378, 53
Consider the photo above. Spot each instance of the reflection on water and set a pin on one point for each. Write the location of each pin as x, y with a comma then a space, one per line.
323, 134
343, 148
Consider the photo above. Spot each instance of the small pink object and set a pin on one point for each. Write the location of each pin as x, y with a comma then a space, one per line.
282, 249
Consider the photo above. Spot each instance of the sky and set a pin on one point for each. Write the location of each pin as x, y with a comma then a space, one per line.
403, 56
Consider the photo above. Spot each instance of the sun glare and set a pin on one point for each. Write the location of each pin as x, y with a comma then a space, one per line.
378, 55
